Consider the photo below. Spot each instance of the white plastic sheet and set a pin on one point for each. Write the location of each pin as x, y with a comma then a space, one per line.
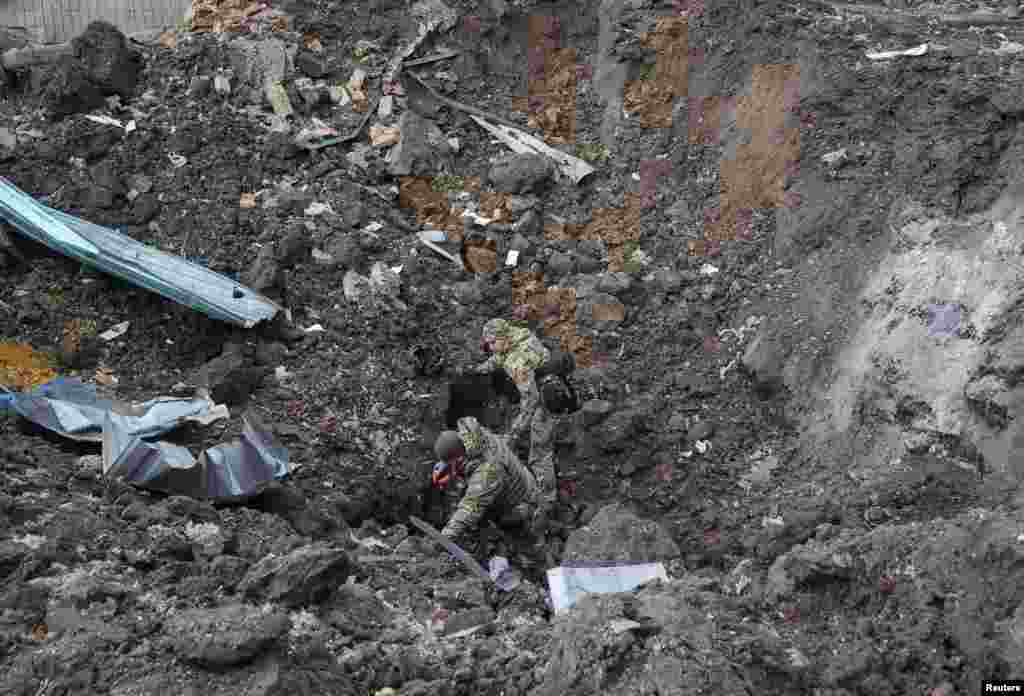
568, 583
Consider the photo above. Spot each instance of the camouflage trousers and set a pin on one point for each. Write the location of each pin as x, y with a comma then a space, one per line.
542, 454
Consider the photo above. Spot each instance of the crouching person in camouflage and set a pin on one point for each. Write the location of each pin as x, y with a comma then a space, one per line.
498, 487
546, 393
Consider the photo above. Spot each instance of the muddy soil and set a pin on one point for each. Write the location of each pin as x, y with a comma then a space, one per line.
833, 567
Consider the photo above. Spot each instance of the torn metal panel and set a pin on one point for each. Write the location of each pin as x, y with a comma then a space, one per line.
73, 409
170, 276
224, 472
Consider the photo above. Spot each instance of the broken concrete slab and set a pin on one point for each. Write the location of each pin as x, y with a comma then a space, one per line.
225, 636
305, 576
617, 534
422, 149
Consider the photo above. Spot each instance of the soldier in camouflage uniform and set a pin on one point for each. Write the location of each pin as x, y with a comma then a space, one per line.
498, 486
541, 377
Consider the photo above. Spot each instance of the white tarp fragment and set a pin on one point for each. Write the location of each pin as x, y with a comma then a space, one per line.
567, 583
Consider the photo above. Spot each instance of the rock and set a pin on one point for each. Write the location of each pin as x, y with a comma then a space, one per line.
595, 411
521, 173
588, 264
11, 555
308, 518
614, 283
617, 534
311, 93
560, 265
385, 281
990, 397
231, 378
468, 292
145, 207
200, 86
422, 149
102, 64
8, 141
259, 62
310, 64
112, 64
529, 224
345, 251
207, 539
295, 246
518, 205
677, 421
305, 576
700, 431
183, 506
668, 280
356, 611
1012, 630
225, 636
265, 272
520, 243
469, 618
763, 360
69, 90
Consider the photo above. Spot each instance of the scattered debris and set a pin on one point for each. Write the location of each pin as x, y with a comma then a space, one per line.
834, 157
173, 277
887, 55
425, 239
110, 121
115, 331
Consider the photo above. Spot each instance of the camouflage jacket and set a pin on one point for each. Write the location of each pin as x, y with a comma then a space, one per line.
519, 352
497, 480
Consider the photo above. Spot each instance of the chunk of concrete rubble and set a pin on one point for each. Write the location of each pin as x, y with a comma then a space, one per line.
422, 149
588, 643
356, 611
231, 378
521, 174
307, 575
102, 64
763, 360
618, 534
225, 636
258, 63
207, 539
